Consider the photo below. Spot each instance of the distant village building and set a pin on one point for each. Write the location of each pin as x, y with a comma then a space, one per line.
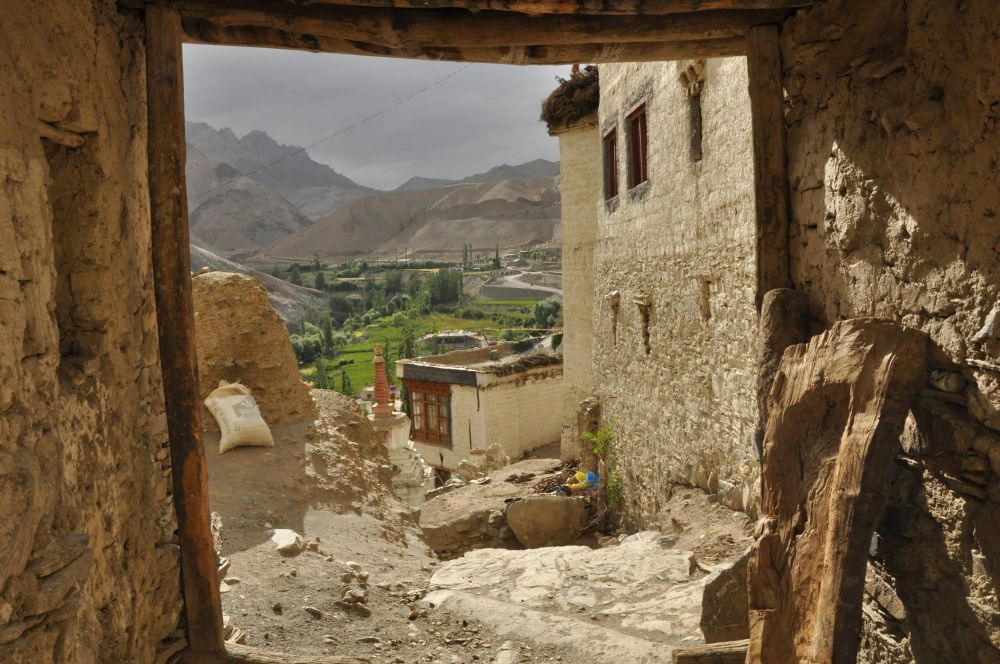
454, 340
467, 400
658, 229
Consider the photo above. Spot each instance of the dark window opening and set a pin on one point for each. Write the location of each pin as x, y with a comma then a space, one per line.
645, 312
705, 299
637, 147
693, 80
78, 320
694, 120
430, 405
611, 164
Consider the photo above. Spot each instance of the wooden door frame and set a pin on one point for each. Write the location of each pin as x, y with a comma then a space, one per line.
173, 289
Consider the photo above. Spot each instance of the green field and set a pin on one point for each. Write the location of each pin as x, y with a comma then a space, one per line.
356, 357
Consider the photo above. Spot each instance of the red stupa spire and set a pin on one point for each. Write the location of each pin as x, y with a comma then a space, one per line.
383, 405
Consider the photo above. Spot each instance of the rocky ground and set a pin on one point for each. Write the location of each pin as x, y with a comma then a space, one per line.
361, 582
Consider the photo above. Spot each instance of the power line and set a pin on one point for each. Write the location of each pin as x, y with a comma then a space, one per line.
344, 130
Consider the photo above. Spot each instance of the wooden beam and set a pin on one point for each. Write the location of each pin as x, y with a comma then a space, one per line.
769, 159
539, 7
725, 652
400, 28
205, 32
237, 654
837, 408
175, 325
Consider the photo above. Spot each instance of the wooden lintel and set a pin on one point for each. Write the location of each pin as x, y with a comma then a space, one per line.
726, 652
769, 159
447, 28
205, 32
237, 654
175, 325
597, 7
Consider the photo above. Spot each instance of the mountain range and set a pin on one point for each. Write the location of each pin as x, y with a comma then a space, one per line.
257, 201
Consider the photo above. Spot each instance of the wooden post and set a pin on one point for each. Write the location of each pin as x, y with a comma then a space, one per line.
769, 159
175, 325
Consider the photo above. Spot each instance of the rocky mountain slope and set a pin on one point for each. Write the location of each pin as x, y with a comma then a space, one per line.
432, 222
289, 300
283, 168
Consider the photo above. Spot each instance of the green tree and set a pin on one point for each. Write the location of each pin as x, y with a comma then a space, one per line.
295, 274
390, 363
547, 313
326, 329
393, 282
407, 343
321, 375
445, 286
414, 285
465, 255
320, 282
340, 309
345, 384
404, 397
496, 258
316, 264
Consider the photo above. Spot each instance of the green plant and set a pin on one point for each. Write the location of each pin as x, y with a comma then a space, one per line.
603, 440
616, 490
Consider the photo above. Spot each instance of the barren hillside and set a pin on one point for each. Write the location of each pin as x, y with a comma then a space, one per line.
288, 300
507, 213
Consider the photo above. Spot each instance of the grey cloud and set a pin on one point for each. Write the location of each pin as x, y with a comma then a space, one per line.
483, 116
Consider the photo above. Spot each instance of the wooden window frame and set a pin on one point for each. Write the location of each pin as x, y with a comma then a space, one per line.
609, 147
637, 135
421, 405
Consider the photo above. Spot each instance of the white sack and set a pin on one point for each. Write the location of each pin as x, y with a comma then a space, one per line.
234, 408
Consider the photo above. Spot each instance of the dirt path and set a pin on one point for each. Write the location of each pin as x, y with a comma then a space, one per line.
317, 482
327, 481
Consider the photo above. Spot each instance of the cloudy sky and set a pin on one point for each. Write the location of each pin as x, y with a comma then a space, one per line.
483, 116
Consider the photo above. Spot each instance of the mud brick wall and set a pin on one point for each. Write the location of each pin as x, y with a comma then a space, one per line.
684, 243
88, 560
892, 112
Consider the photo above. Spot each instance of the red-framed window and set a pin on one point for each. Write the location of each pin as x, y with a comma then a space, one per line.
430, 412
610, 163
637, 146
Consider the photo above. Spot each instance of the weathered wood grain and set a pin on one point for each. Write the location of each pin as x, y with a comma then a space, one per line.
398, 28
724, 652
540, 7
836, 410
769, 159
201, 31
175, 325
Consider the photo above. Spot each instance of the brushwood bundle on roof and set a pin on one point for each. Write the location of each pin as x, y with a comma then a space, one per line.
576, 98
520, 363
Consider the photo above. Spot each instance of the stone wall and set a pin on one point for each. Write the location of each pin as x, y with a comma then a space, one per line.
522, 411
681, 248
85, 503
580, 190
892, 111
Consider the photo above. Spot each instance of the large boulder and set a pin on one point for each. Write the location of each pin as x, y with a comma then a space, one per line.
241, 339
724, 606
547, 520
472, 516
